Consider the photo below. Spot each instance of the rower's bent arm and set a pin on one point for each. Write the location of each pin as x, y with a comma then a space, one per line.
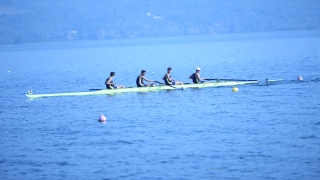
168, 77
198, 76
108, 82
148, 79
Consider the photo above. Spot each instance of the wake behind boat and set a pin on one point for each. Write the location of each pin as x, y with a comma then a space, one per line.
218, 83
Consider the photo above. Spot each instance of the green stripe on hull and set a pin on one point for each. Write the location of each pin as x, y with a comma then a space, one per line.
142, 89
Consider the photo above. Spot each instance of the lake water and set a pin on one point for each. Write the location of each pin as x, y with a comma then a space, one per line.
261, 132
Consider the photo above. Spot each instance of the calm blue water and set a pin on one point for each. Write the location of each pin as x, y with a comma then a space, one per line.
261, 132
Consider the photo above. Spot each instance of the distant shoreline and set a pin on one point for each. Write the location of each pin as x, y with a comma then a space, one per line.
169, 38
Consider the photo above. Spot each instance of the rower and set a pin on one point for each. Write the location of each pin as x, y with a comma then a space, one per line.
109, 82
168, 80
140, 78
196, 76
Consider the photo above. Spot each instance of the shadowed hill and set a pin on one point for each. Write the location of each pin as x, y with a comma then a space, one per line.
72, 20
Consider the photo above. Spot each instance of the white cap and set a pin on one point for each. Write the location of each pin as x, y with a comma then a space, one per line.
198, 69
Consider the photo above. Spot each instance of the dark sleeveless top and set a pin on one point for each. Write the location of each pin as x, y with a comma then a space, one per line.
195, 78
109, 86
166, 80
139, 82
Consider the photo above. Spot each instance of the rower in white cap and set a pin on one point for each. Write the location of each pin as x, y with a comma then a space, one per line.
196, 76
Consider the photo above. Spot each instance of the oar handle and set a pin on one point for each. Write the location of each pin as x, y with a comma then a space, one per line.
165, 84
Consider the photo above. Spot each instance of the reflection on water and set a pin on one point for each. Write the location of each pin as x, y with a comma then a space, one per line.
259, 132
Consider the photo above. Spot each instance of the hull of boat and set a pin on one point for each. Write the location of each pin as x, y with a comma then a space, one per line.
143, 89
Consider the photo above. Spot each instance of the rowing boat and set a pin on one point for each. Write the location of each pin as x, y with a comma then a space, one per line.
145, 89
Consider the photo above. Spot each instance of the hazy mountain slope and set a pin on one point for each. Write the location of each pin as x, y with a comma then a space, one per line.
60, 20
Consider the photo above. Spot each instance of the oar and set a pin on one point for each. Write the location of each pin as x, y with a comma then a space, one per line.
104, 89
167, 85
217, 79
